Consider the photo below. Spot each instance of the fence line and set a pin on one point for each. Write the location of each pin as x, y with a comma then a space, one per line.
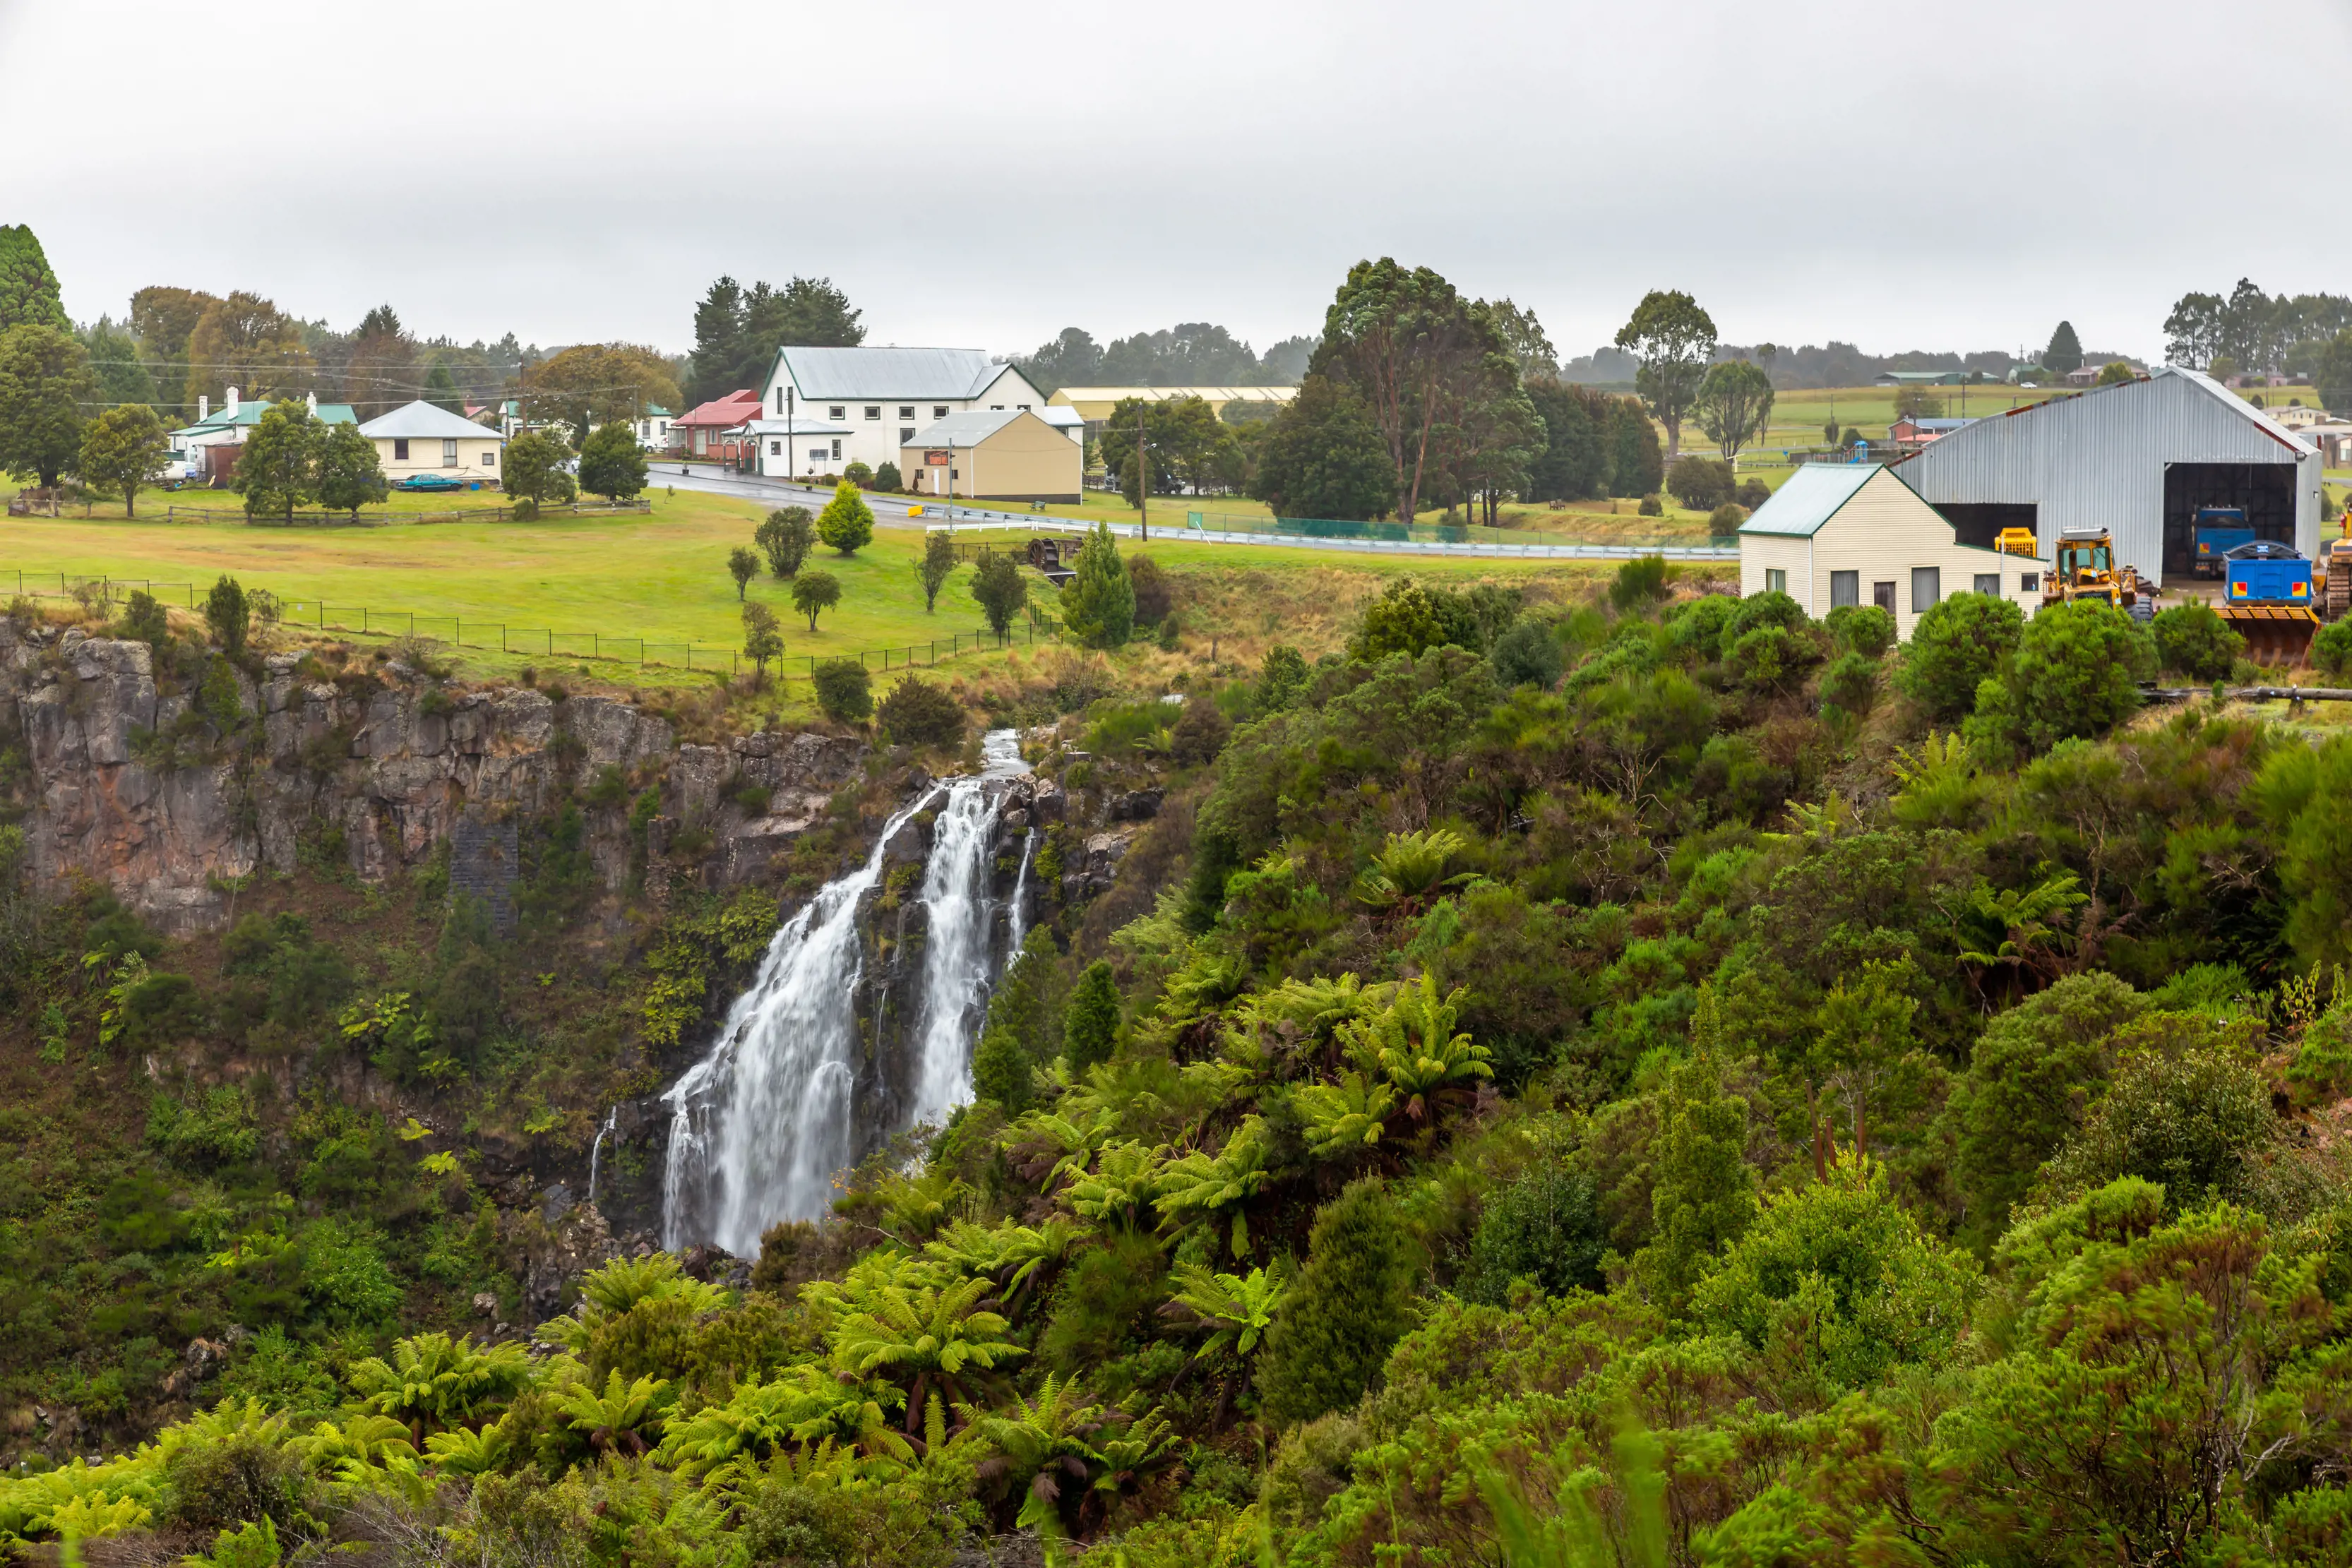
325, 520
314, 614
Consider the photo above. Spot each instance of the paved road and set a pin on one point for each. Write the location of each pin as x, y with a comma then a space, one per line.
890, 511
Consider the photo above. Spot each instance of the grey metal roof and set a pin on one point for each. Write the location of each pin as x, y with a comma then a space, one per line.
2097, 458
1810, 497
884, 373
968, 429
421, 421
801, 426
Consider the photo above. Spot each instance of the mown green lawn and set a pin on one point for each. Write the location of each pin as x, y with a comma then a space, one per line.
551, 590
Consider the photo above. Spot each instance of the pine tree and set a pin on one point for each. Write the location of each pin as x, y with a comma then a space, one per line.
349, 475
2064, 352
846, 524
441, 389
1022, 1005
1347, 1309
611, 464
1098, 603
28, 289
1090, 1025
1703, 1195
1001, 1070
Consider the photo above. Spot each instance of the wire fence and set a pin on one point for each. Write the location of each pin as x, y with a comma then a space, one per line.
26, 504
483, 633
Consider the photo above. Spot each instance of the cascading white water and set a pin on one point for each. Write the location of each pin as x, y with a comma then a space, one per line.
955, 949
596, 1152
760, 1126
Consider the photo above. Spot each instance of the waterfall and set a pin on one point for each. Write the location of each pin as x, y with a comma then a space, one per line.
1015, 932
596, 1152
762, 1125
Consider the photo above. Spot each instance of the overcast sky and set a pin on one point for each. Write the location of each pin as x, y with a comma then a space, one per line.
1897, 176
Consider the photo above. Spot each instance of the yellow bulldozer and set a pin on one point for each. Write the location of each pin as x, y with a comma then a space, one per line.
2088, 570
2333, 572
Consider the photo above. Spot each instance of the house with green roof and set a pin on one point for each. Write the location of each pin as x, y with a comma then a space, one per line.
207, 449
1837, 534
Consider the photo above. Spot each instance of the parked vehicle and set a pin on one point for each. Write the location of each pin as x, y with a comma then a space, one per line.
2219, 531
428, 482
2267, 598
2088, 570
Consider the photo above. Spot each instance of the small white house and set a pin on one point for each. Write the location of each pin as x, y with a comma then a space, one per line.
1855, 533
799, 448
422, 439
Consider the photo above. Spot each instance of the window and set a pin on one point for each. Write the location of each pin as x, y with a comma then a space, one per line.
1846, 588
938, 411
836, 451
816, 454
838, 410
1926, 588
906, 434
400, 449
873, 411
449, 453
780, 399
905, 411
2029, 582
1775, 581
996, 408
1022, 407
775, 449
1883, 595
490, 457
1989, 584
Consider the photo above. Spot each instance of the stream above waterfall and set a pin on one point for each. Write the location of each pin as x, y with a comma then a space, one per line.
860, 1021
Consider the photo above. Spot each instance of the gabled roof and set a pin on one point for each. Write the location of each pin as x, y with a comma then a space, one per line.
1990, 428
248, 413
1165, 394
969, 429
1810, 497
724, 413
421, 421
885, 373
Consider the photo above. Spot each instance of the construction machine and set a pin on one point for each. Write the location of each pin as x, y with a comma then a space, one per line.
2267, 598
2017, 541
2088, 570
2332, 586
2219, 530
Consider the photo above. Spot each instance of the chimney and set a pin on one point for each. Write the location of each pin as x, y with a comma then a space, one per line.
229, 405
204, 407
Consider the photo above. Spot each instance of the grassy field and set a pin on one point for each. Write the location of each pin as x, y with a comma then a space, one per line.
661, 578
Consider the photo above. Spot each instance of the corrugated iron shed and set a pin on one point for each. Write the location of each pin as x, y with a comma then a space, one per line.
2098, 459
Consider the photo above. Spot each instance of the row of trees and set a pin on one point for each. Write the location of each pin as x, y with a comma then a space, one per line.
1189, 354
2253, 331
737, 331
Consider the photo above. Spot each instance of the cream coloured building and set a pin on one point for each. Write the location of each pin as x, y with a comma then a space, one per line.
1855, 533
993, 454
422, 439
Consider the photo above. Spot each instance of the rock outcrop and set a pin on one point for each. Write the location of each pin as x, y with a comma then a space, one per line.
368, 768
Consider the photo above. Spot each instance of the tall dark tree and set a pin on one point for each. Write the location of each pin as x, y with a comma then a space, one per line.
1579, 453
1323, 458
2064, 353
2193, 333
1734, 403
380, 372
1674, 340
1072, 358
737, 331
1189, 354
441, 389
28, 289
1524, 339
122, 380
45, 387
1640, 466
1421, 358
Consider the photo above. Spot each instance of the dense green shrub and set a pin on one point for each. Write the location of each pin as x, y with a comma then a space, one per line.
1545, 1229
845, 692
1347, 1307
1701, 483
1090, 1022
919, 713
1155, 590
1640, 582
1864, 628
1851, 682
2196, 642
1955, 647
1527, 654
2331, 648
2076, 674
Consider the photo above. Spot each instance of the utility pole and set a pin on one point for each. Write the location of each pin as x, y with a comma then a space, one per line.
1142, 479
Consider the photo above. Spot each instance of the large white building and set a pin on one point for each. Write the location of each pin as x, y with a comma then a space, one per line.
2138, 457
885, 396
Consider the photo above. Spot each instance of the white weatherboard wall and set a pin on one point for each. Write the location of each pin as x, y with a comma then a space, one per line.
2097, 460
887, 395
1833, 517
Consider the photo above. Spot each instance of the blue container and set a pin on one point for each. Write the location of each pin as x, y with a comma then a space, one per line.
2267, 572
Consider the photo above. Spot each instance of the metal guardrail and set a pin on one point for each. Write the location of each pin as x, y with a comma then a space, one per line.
1715, 548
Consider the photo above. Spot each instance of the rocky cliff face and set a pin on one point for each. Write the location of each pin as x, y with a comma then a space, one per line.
376, 768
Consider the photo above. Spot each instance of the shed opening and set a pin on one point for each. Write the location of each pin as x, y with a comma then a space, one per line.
2266, 491
1979, 523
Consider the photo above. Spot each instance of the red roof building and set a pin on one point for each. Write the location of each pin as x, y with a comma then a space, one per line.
703, 430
